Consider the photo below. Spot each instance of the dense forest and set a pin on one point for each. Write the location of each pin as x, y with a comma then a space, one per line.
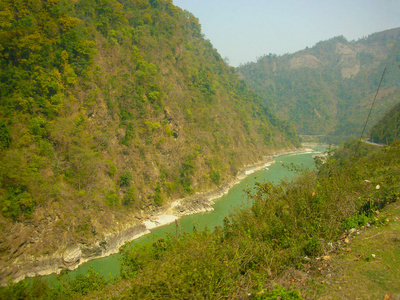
387, 130
108, 110
328, 89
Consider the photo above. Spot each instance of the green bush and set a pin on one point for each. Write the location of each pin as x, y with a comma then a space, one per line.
15, 291
158, 198
356, 221
112, 168
129, 197
17, 201
187, 171
112, 199
5, 136
84, 284
313, 247
125, 179
215, 177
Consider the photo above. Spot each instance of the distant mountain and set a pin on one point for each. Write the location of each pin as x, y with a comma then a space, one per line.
387, 130
329, 88
108, 110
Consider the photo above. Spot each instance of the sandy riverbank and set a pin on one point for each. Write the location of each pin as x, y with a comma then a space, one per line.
203, 202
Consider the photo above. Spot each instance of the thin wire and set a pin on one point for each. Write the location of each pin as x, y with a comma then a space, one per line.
369, 114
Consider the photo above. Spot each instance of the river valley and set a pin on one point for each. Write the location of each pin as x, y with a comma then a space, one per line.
278, 170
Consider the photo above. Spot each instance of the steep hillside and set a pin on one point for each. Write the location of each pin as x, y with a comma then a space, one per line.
387, 130
328, 89
110, 109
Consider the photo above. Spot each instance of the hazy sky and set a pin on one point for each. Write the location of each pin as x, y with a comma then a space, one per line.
243, 30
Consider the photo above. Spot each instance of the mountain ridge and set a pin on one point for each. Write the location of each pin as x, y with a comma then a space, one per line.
328, 88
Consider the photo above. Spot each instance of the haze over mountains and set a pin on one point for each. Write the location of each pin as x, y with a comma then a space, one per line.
328, 89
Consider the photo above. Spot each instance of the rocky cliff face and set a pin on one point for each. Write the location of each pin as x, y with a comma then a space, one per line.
70, 256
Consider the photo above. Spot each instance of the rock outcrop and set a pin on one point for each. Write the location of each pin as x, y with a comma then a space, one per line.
73, 256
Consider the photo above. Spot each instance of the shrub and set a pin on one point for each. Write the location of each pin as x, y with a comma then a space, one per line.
112, 168
17, 201
5, 136
125, 179
158, 198
215, 177
84, 284
13, 290
129, 197
112, 199
312, 247
359, 219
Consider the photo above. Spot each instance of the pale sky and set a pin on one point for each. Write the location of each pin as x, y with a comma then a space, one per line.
243, 30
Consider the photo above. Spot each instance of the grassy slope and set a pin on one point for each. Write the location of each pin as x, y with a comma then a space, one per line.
372, 268
352, 272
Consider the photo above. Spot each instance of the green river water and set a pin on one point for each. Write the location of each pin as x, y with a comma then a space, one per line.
109, 266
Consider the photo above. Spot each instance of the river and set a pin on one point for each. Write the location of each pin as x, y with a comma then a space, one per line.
109, 266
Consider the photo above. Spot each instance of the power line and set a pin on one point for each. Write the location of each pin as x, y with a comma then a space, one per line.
370, 111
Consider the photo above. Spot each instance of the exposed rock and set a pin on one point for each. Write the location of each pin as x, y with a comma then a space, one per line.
94, 250
304, 60
72, 255
352, 230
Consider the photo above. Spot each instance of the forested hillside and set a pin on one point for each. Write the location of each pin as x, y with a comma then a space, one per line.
387, 130
329, 88
109, 109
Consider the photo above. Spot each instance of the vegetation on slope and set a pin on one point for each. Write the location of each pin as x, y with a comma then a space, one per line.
368, 266
387, 130
109, 108
283, 228
329, 88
